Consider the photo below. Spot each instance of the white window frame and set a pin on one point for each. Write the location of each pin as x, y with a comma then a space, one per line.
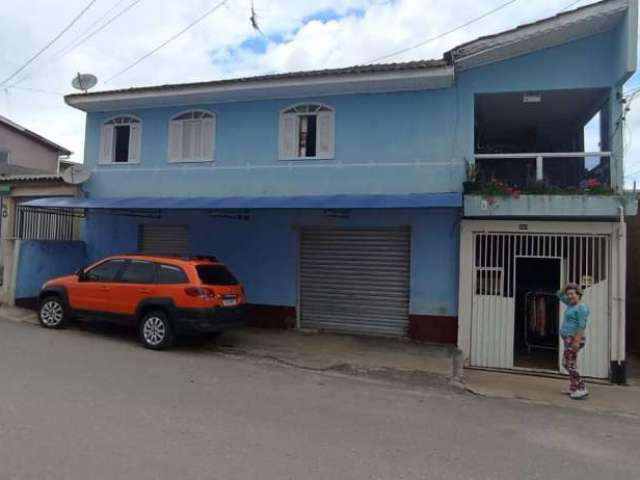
206, 156
299, 110
108, 139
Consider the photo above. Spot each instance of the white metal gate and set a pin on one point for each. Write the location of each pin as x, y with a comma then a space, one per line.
585, 260
355, 280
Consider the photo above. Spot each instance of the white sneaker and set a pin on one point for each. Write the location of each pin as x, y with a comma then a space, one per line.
579, 394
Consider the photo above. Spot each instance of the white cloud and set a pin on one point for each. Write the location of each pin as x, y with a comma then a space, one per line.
357, 32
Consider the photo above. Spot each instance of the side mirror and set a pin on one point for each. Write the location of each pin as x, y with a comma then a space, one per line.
82, 276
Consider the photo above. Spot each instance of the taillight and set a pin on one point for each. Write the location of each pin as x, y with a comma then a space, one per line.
200, 292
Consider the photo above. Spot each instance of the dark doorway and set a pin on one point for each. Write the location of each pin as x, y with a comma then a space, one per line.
537, 313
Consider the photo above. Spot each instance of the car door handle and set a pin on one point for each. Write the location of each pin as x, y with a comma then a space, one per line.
144, 290
104, 289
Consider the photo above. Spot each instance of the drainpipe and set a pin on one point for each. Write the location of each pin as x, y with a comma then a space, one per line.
618, 367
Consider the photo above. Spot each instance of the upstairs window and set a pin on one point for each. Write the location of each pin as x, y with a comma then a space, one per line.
191, 137
307, 132
120, 142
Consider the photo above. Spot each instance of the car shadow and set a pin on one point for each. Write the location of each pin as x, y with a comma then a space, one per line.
128, 334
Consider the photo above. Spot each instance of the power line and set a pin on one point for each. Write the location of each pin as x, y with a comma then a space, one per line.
169, 40
572, 4
51, 42
444, 34
31, 89
84, 38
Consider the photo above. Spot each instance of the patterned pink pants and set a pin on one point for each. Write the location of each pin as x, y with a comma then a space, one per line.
570, 362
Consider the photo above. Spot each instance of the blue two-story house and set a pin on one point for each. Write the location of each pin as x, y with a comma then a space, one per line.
443, 200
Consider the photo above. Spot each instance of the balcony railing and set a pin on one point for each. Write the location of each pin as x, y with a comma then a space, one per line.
554, 169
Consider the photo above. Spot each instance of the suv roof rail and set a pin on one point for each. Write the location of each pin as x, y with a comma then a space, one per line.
209, 258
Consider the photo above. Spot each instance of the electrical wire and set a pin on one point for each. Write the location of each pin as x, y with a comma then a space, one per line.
444, 34
32, 89
169, 40
49, 44
78, 41
572, 4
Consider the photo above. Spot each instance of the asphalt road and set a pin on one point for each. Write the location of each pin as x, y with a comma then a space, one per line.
91, 404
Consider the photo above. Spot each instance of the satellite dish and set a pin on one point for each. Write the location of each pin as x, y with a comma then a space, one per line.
75, 174
84, 81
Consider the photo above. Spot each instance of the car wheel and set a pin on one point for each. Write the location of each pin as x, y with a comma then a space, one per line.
155, 331
52, 313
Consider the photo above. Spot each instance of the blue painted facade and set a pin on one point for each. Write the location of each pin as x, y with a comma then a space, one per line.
385, 143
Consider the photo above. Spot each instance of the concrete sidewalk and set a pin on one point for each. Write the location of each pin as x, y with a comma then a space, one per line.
604, 398
325, 351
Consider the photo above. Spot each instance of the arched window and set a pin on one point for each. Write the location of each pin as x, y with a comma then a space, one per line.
307, 132
192, 136
121, 139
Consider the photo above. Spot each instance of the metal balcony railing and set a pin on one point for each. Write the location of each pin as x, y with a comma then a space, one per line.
561, 169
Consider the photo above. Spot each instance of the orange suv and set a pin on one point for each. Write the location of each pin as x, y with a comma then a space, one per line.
163, 296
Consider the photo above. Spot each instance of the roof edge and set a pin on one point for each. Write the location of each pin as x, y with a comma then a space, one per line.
336, 78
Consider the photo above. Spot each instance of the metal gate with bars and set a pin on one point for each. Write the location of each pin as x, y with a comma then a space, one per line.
355, 280
38, 224
584, 259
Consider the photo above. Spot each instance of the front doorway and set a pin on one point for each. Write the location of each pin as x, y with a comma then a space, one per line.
537, 313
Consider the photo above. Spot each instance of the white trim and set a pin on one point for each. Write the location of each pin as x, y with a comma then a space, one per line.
481, 156
341, 84
537, 226
316, 163
107, 121
285, 111
174, 119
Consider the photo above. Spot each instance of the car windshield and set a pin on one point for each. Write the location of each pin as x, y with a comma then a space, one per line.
215, 275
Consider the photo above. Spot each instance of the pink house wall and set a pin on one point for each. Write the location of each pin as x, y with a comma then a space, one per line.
27, 152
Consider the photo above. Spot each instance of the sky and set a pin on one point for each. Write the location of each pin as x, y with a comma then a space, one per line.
296, 35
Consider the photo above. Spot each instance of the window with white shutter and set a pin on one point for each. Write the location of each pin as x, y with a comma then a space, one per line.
192, 136
307, 132
121, 140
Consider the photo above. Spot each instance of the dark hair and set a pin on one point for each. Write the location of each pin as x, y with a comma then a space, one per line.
575, 287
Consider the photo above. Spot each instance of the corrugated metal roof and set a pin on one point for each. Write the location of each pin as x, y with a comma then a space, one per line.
29, 177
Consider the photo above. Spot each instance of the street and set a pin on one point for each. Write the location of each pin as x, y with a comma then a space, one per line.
89, 402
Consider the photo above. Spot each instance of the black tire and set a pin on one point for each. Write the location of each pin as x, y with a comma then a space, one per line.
53, 313
155, 331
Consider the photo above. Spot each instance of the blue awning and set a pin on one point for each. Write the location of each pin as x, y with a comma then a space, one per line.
323, 202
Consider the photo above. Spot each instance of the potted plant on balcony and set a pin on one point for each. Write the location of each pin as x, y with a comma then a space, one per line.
471, 184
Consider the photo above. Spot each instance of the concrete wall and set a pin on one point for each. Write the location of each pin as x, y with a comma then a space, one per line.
262, 251
41, 260
27, 152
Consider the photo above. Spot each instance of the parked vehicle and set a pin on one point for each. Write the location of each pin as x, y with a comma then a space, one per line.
163, 296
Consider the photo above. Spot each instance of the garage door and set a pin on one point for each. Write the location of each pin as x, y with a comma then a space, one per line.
355, 280
167, 239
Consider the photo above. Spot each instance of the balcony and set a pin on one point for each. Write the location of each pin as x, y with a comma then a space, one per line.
573, 184
531, 157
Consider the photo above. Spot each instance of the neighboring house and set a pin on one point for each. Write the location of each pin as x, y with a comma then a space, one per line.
31, 167
337, 195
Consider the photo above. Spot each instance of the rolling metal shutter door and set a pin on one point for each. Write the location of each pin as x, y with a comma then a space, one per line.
167, 239
355, 280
